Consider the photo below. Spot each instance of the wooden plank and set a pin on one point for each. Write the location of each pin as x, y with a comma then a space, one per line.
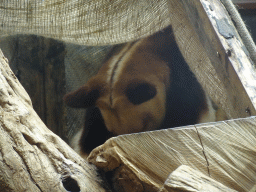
226, 51
186, 179
26, 62
54, 86
224, 151
38, 63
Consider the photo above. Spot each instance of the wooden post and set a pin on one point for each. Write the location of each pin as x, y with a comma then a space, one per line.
38, 63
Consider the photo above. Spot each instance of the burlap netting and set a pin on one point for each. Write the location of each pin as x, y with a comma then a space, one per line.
85, 25
92, 22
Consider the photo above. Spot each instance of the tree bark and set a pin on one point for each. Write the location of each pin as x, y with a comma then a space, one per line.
32, 158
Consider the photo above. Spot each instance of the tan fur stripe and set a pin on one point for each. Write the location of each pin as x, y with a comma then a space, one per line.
118, 63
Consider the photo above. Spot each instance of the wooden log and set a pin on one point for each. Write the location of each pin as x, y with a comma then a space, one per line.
186, 179
226, 51
32, 158
224, 151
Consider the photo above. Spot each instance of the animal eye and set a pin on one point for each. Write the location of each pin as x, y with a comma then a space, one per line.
140, 93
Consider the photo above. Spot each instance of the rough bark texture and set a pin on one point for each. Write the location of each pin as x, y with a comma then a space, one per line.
32, 158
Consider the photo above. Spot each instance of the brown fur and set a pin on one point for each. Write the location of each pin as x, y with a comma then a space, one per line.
173, 96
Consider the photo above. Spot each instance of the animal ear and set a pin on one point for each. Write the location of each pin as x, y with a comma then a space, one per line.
162, 43
140, 93
81, 98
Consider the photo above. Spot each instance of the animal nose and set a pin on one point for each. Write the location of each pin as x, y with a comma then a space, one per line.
147, 119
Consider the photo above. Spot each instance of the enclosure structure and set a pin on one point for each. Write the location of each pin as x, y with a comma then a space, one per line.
216, 54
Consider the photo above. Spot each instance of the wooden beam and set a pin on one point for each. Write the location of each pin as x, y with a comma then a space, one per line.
38, 63
226, 51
